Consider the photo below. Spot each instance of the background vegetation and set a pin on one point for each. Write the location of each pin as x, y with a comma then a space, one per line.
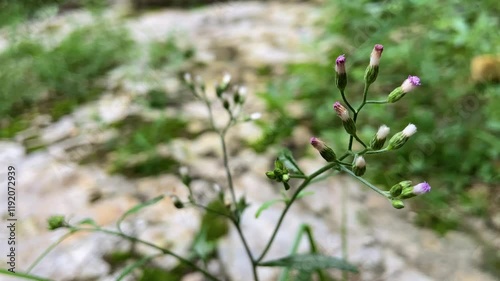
458, 120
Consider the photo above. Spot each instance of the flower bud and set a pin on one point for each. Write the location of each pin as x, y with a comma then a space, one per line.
379, 138
410, 84
343, 113
398, 204
271, 175
240, 94
55, 222
226, 104
325, 151
371, 72
177, 202
359, 166
341, 76
418, 189
396, 190
400, 138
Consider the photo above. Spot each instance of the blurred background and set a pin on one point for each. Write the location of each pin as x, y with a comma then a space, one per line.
94, 116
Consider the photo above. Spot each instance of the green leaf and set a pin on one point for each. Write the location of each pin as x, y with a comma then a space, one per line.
135, 265
286, 157
304, 193
278, 165
311, 262
88, 221
22, 275
266, 205
137, 208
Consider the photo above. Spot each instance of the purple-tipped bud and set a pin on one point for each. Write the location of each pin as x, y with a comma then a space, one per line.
410, 84
341, 76
412, 191
325, 151
341, 111
349, 125
421, 188
376, 55
340, 64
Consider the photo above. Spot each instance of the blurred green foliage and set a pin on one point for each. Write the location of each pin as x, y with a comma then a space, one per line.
55, 80
458, 122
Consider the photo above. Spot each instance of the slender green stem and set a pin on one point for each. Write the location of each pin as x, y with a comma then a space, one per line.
349, 152
226, 167
377, 151
355, 117
360, 141
210, 210
247, 249
18, 274
374, 188
48, 250
347, 102
290, 202
376, 102
296, 176
163, 250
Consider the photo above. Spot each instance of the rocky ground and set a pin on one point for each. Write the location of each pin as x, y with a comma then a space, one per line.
238, 38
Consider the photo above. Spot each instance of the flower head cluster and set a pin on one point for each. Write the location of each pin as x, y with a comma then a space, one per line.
405, 190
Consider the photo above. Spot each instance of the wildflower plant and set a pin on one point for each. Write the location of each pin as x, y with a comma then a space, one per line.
286, 172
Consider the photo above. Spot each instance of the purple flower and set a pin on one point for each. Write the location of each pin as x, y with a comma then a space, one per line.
376, 55
317, 143
421, 188
341, 111
340, 64
410, 84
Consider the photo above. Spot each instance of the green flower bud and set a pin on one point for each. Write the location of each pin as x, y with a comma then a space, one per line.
271, 175
325, 151
398, 204
359, 166
341, 76
177, 202
379, 139
371, 72
400, 138
343, 114
55, 222
410, 84
396, 190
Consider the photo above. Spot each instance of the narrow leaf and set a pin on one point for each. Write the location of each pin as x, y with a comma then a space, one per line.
287, 158
304, 193
311, 262
22, 275
137, 208
135, 265
266, 205
88, 221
